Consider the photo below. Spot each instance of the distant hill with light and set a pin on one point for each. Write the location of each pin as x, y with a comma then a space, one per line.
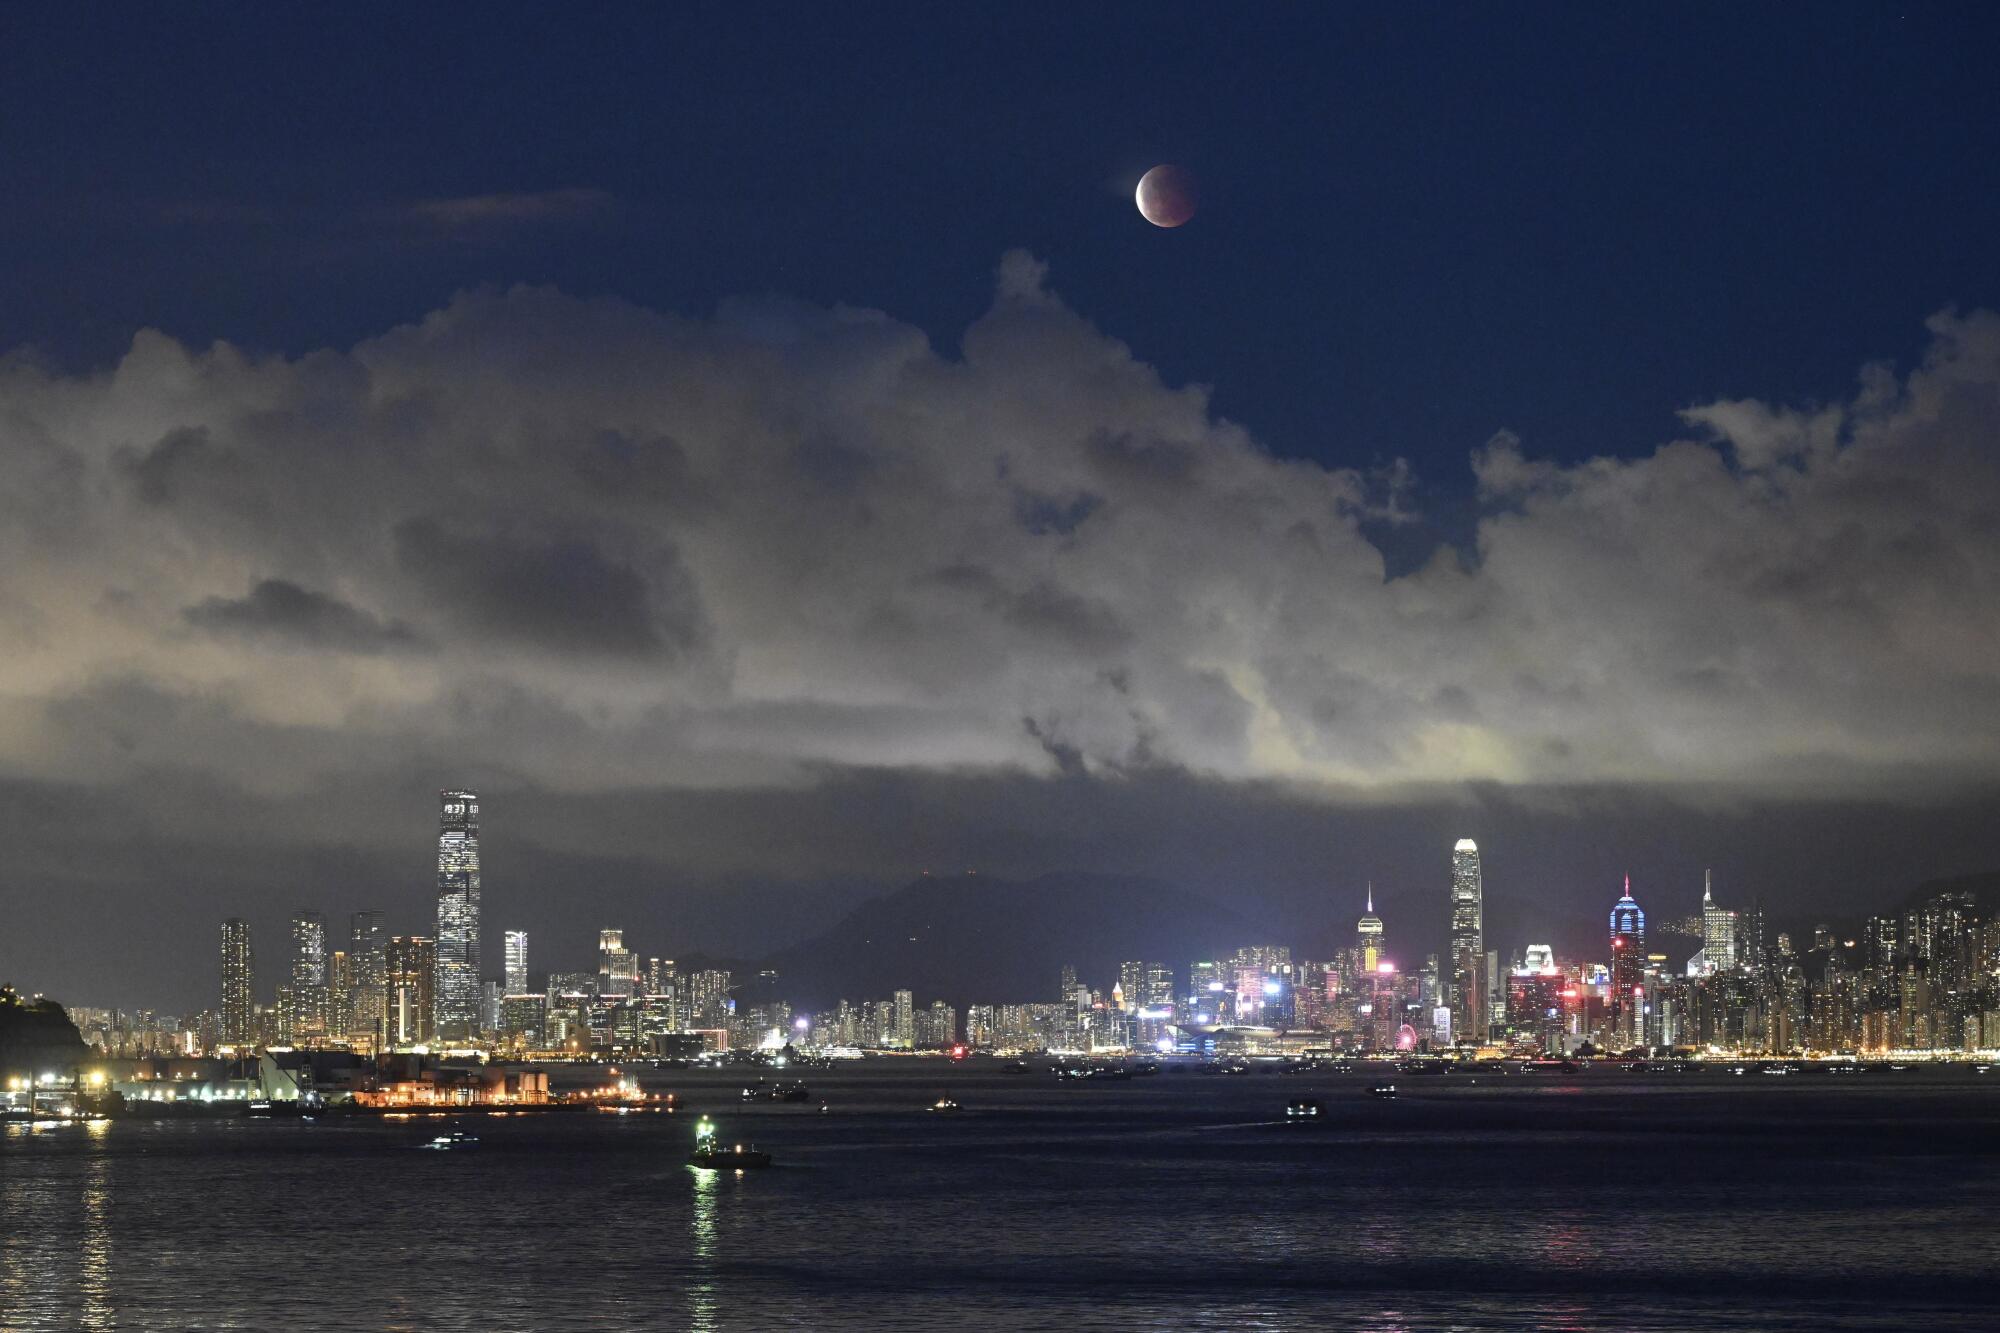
36, 1037
981, 940
1984, 888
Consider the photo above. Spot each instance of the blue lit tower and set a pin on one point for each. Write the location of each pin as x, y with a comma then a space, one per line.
456, 989
1628, 962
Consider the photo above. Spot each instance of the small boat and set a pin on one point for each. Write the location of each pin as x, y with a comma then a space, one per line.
453, 1140
944, 1104
709, 1155
790, 1092
738, 1158
1384, 1090
1018, 1067
1303, 1108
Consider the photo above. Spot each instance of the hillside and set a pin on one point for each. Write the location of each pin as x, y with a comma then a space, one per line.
1984, 888
36, 1037
977, 939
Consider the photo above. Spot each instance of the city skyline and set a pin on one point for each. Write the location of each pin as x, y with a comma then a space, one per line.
1928, 978
1697, 933
769, 628
1248, 555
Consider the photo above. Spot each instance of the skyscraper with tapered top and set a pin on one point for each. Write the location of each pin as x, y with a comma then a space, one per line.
456, 989
1467, 996
1369, 942
1628, 966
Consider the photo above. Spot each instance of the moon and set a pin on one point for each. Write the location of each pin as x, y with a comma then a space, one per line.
1167, 195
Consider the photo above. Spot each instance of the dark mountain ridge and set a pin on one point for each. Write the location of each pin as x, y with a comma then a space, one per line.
977, 939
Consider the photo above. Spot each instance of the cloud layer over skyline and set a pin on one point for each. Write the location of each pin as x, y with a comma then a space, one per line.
588, 549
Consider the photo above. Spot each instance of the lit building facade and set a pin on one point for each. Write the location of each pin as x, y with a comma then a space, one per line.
239, 996
617, 966
1466, 997
1718, 930
456, 989
309, 982
1628, 967
517, 962
412, 971
368, 965
1370, 943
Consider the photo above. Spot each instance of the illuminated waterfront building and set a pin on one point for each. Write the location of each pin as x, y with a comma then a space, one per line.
238, 984
517, 962
455, 988
1466, 993
411, 976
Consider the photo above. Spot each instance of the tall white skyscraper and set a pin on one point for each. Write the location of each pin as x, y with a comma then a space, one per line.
456, 991
517, 962
1718, 929
1467, 994
309, 983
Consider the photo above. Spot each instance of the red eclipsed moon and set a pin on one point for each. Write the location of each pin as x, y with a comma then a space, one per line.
1167, 195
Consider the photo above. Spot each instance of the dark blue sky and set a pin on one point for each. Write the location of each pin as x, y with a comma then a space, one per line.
1420, 227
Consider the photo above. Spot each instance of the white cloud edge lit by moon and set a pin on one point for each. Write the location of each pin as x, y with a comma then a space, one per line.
609, 547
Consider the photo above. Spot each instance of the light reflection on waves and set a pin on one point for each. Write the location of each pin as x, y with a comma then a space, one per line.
94, 1259
701, 1290
1179, 1208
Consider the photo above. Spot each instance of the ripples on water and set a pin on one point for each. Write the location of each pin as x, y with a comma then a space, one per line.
1178, 1202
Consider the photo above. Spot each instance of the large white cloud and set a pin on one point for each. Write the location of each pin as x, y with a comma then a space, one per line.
596, 546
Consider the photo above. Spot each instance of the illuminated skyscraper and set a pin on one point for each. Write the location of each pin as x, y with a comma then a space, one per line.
617, 966
517, 962
412, 972
1628, 964
1718, 929
1467, 995
367, 1002
309, 988
1369, 941
456, 987
1132, 985
239, 1005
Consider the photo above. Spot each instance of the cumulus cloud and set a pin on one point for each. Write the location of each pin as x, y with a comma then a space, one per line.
285, 615
640, 549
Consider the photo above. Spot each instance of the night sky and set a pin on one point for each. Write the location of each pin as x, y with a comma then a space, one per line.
767, 455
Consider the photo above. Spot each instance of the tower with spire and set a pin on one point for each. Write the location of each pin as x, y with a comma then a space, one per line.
1628, 965
1368, 937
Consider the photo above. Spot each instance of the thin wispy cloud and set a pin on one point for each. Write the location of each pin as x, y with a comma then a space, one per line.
515, 208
